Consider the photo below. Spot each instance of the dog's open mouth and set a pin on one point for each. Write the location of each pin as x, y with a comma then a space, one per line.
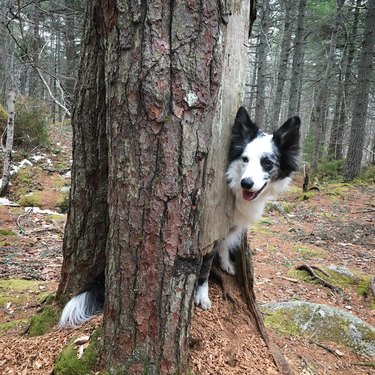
251, 195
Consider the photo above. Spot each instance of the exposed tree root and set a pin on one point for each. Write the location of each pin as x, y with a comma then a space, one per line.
246, 279
314, 275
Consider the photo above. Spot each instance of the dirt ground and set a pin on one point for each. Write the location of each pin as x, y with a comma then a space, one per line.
336, 226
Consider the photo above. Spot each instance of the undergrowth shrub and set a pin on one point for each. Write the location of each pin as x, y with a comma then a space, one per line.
30, 126
330, 170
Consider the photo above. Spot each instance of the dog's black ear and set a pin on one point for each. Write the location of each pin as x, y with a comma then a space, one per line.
287, 136
243, 131
243, 126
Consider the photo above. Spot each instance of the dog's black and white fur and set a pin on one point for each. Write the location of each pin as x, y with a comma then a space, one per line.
260, 166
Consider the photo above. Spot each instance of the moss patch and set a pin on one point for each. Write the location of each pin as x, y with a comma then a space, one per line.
18, 291
308, 195
10, 325
67, 363
323, 322
340, 277
42, 322
282, 323
308, 252
30, 200
6, 232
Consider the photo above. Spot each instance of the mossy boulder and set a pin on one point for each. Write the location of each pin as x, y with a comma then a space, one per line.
326, 323
68, 363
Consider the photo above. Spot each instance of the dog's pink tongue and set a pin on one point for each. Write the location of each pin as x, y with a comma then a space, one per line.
248, 195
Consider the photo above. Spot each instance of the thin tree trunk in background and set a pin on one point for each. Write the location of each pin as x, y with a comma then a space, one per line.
71, 52
283, 65
335, 130
87, 224
318, 112
260, 105
297, 64
358, 126
338, 137
9, 143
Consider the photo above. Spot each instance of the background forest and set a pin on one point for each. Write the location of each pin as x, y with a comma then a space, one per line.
303, 60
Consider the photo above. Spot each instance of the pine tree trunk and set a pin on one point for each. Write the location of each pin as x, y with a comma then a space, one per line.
9, 143
338, 139
318, 112
297, 63
86, 229
168, 128
283, 65
71, 52
260, 105
358, 126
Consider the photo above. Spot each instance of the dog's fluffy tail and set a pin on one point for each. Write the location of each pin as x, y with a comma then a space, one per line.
84, 305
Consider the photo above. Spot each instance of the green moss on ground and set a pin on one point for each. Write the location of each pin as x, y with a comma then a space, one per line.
12, 324
17, 291
308, 252
340, 277
43, 321
307, 195
31, 200
67, 363
6, 232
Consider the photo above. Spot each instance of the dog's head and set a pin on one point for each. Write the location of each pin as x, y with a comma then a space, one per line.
257, 159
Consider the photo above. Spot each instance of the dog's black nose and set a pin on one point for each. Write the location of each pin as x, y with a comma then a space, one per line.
247, 183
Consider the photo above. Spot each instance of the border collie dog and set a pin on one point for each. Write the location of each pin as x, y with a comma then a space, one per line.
260, 167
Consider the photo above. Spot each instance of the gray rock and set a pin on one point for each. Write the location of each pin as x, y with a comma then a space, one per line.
323, 322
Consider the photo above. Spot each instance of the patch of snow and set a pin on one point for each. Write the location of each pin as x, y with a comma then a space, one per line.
7, 202
37, 210
68, 174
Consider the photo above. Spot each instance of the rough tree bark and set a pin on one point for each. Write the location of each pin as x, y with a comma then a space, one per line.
87, 224
168, 129
161, 83
359, 116
9, 143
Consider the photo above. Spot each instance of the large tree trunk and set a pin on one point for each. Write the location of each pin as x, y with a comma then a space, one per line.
166, 79
168, 128
86, 229
358, 127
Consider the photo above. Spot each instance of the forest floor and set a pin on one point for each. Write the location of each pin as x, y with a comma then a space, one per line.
332, 226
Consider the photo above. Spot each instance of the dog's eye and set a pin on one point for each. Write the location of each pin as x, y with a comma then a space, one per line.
245, 159
267, 164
